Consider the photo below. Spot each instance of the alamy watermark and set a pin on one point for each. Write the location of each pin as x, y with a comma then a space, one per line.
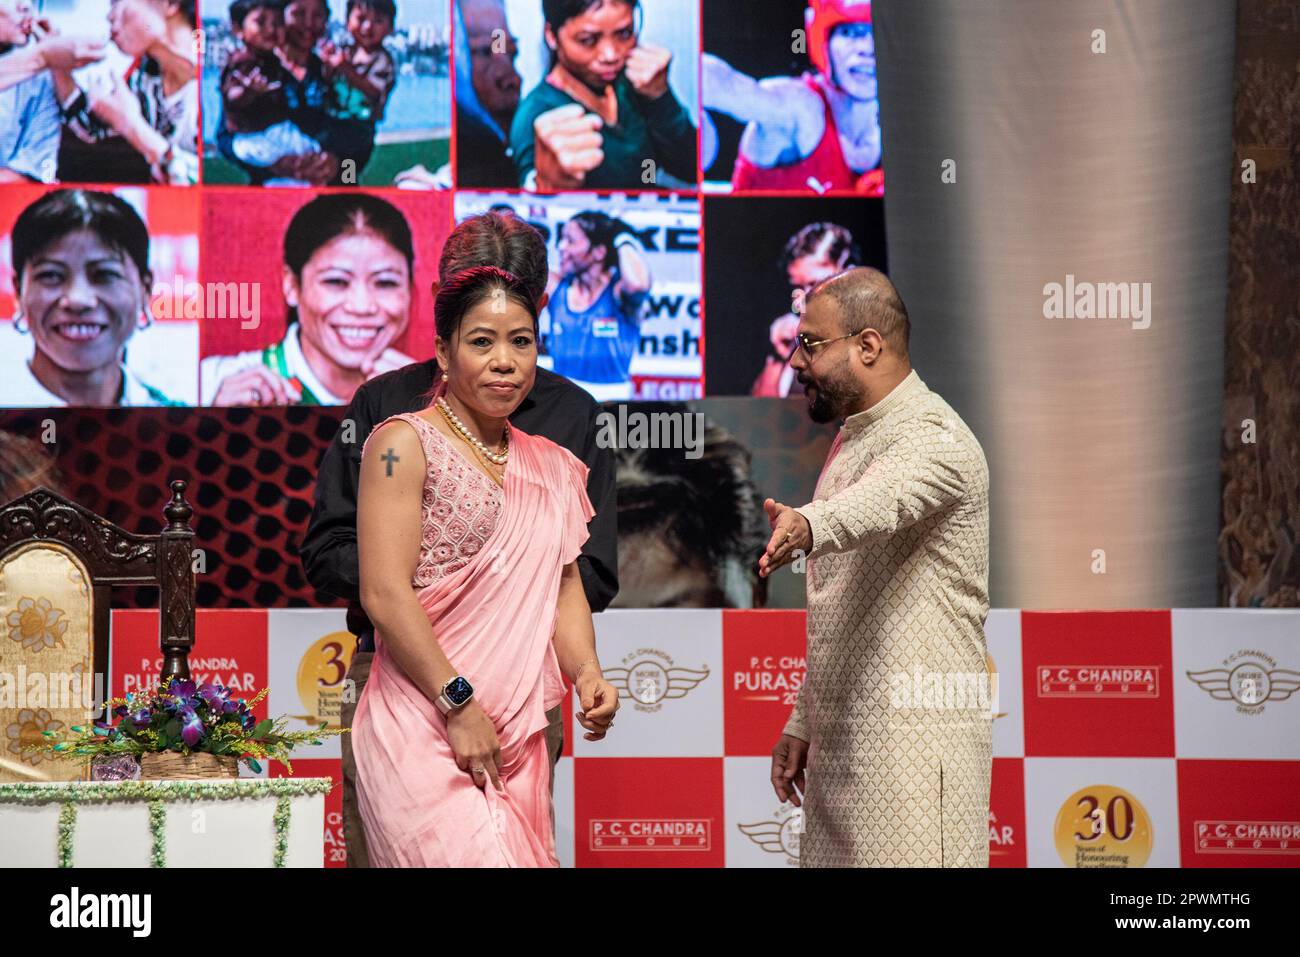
944, 691
51, 689
180, 299
1098, 300
651, 430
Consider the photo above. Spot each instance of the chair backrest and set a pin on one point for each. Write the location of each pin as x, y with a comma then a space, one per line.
58, 562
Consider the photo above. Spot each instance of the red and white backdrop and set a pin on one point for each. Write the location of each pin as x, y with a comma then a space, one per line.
1122, 738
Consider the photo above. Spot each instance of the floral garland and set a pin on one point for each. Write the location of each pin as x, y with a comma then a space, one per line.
67, 822
281, 830
158, 794
82, 792
157, 824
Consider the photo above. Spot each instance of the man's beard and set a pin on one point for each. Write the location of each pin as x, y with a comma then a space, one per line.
831, 400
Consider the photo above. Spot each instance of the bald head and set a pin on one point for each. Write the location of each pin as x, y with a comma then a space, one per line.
866, 299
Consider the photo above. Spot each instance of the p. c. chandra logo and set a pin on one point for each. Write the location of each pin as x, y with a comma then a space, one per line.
778, 834
1249, 678
320, 677
1103, 826
1099, 681
650, 677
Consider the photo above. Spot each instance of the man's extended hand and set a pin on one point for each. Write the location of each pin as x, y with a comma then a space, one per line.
789, 758
790, 532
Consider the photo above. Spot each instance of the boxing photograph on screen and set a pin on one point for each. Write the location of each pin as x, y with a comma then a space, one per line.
576, 94
763, 254
317, 93
790, 99
97, 297
339, 301
99, 91
623, 315
690, 511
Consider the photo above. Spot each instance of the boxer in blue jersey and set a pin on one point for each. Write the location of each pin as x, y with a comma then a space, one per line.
596, 304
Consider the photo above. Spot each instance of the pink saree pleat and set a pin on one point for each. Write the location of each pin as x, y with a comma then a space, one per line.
494, 619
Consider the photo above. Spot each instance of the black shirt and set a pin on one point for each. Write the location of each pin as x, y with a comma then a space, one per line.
555, 409
482, 159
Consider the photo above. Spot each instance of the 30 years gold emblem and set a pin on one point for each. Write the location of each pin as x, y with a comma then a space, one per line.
1103, 826
321, 677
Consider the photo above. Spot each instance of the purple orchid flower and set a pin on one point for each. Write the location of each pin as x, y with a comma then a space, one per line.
142, 718
183, 696
191, 727
215, 697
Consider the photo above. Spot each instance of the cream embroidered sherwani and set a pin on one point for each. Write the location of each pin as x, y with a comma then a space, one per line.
897, 594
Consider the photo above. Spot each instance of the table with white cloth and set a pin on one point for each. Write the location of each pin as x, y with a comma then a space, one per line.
246, 822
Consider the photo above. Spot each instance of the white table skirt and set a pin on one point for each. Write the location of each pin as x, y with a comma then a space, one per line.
204, 823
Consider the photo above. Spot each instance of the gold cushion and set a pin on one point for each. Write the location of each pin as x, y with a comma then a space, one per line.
47, 680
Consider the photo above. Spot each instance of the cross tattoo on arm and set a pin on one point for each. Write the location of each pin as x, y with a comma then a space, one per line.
388, 458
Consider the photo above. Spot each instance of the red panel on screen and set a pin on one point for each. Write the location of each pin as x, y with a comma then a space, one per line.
1239, 813
648, 812
1098, 684
243, 242
171, 215
763, 669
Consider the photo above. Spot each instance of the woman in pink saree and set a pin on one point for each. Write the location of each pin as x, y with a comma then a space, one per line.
468, 530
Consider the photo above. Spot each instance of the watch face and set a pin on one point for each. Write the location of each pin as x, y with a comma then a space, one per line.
458, 691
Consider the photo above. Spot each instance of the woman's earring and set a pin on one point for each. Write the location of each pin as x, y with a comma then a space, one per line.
20, 323
444, 377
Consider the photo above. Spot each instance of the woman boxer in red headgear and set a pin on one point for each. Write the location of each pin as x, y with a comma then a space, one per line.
817, 132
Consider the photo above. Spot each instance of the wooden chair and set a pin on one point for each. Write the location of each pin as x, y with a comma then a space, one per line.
58, 562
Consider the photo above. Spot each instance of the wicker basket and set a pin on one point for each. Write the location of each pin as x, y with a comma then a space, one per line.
199, 766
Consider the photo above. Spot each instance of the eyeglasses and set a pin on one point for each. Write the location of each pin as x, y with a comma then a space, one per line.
810, 346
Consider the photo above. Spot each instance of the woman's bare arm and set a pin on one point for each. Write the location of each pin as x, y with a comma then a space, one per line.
775, 102
575, 636
388, 547
575, 647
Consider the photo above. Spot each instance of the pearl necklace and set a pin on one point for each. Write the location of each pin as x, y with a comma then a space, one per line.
499, 458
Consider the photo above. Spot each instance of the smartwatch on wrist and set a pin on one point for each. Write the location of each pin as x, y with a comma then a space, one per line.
455, 693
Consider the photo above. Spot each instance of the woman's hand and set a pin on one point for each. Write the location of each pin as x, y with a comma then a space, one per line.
568, 146
599, 701
474, 742
330, 55
118, 106
386, 361
316, 168
69, 53
320, 169
647, 70
256, 385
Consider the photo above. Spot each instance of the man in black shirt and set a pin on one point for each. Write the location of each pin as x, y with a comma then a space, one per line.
555, 408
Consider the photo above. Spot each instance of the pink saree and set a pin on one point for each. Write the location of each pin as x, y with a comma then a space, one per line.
494, 618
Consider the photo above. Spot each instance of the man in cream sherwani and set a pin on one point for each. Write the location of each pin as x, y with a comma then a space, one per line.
889, 748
